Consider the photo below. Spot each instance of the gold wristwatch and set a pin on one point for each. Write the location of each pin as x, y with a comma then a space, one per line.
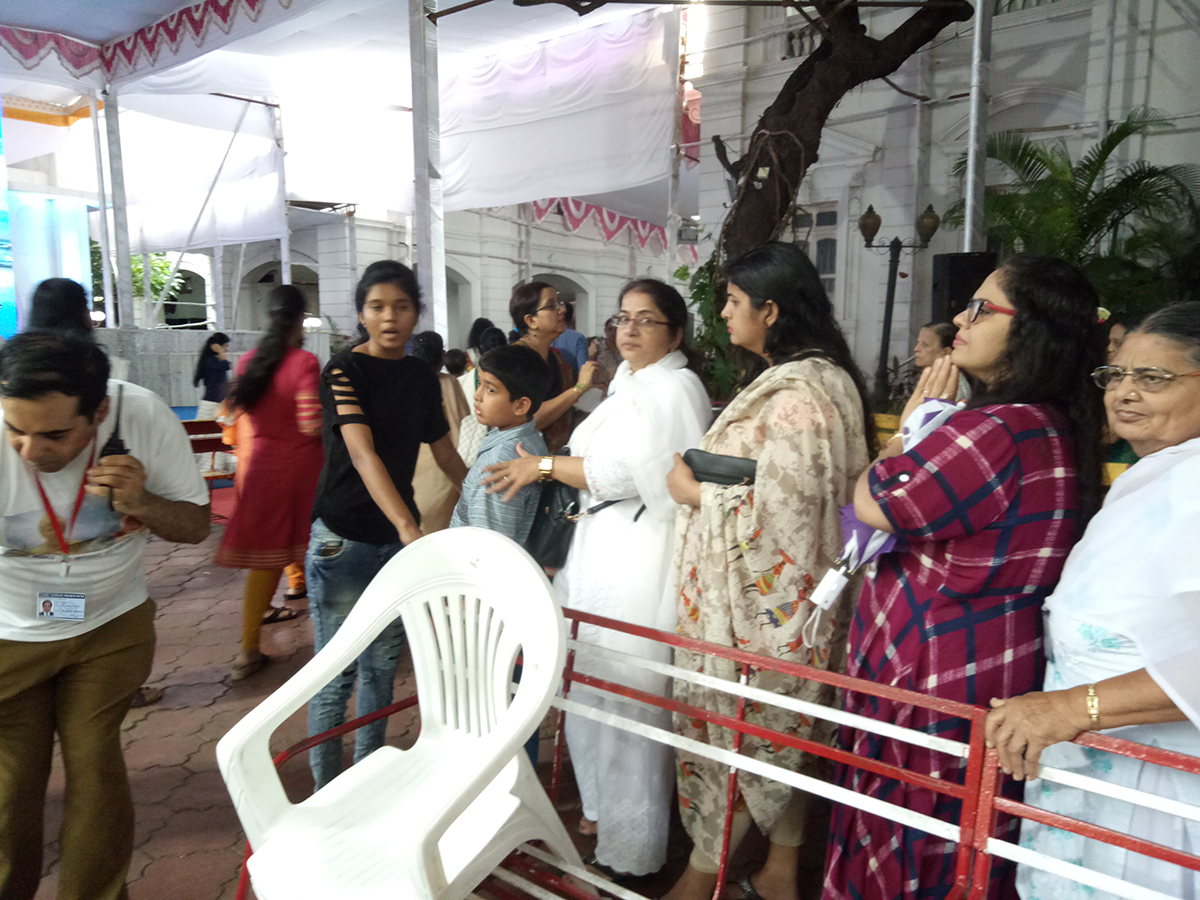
546, 468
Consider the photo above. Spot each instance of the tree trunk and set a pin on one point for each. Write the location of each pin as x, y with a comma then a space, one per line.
785, 142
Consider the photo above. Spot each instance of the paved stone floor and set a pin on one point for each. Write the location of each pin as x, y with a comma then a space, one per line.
188, 843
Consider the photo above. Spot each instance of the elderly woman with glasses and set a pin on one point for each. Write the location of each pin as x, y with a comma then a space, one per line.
619, 565
986, 508
1123, 631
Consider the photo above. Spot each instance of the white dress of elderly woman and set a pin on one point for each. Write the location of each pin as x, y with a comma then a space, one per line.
619, 564
1123, 633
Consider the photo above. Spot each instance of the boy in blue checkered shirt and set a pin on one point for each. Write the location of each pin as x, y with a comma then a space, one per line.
512, 384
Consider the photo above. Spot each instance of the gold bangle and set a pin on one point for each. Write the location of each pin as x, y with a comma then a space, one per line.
1093, 707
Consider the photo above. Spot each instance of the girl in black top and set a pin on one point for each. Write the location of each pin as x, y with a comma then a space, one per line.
213, 369
378, 407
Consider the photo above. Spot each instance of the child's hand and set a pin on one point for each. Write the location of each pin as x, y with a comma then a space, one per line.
513, 475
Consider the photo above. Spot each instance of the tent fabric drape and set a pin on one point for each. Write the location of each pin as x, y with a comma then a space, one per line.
586, 113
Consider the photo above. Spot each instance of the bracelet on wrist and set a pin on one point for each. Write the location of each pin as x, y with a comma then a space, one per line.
582, 388
546, 468
1093, 707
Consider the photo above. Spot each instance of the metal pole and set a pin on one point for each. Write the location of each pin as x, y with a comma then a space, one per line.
352, 244
427, 157
285, 242
149, 311
218, 286
674, 220
889, 304
974, 238
199, 215
120, 210
237, 284
1106, 76
110, 308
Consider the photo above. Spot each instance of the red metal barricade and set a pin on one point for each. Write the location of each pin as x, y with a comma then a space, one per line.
979, 791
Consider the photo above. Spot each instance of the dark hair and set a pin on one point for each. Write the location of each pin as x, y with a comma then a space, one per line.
1178, 322
288, 310
491, 339
208, 351
526, 298
673, 307
456, 362
60, 304
385, 271
427, 346
478, 327
1128, 321
569, 314
805, 326
945, 331
521, 370
36, 363
1053, 345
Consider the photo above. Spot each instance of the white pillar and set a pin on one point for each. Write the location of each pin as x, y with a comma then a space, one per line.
110, 309
285, 242
974, 238
430, 236
218, 285
120, 213
236, 285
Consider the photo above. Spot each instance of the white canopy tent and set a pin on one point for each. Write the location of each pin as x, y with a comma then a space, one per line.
535, 102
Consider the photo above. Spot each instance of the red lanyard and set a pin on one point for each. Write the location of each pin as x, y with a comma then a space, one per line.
54, 523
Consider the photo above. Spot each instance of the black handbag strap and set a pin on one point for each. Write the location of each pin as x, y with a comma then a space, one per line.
592, 510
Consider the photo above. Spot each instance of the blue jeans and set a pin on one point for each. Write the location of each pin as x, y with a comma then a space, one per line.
338, 571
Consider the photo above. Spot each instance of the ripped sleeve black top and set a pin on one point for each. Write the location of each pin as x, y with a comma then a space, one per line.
400, 400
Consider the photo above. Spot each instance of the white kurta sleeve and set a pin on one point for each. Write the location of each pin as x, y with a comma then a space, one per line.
608, 473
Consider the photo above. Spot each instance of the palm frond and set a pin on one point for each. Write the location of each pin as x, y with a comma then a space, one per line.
1088, 170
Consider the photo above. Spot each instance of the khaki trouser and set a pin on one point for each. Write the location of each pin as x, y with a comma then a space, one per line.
80, 688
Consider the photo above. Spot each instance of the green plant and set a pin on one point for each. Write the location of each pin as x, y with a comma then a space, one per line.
160, 268
1132, 228
337, 341
711, 338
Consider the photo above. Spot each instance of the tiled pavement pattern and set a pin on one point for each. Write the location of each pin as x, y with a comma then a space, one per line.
188, 843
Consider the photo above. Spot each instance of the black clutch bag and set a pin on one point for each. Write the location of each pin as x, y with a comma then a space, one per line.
716, 468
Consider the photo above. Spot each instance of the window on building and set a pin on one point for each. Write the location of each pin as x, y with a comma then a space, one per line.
815, 232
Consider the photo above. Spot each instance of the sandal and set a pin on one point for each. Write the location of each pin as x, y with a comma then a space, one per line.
243, 670
279, 614
145, 696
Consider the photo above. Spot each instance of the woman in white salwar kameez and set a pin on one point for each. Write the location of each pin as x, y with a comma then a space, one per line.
1123, 634
619, 564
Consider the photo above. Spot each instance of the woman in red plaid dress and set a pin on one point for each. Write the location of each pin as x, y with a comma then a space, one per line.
986, 508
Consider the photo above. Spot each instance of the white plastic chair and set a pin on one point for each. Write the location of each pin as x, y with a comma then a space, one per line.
432, 821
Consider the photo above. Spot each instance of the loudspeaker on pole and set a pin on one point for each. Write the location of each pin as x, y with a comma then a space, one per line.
956, 277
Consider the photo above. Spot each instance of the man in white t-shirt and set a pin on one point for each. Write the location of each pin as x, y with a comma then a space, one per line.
77, 506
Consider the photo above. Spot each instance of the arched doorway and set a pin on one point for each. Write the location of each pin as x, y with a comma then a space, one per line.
460, 310
252, 311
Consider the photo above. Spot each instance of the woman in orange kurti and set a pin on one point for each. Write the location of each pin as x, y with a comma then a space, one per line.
276, 386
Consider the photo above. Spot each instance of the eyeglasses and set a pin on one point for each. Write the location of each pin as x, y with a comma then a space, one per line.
975, 306
557, 304
624, 321
1150, 379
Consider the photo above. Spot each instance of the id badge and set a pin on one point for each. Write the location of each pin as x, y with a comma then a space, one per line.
60, 606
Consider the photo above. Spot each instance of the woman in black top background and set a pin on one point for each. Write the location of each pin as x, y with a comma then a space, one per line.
213, 369
378, 406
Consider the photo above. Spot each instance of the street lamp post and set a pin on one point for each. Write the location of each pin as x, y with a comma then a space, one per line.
868, 225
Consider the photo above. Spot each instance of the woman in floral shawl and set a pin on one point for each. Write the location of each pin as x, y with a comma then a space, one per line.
747, 556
